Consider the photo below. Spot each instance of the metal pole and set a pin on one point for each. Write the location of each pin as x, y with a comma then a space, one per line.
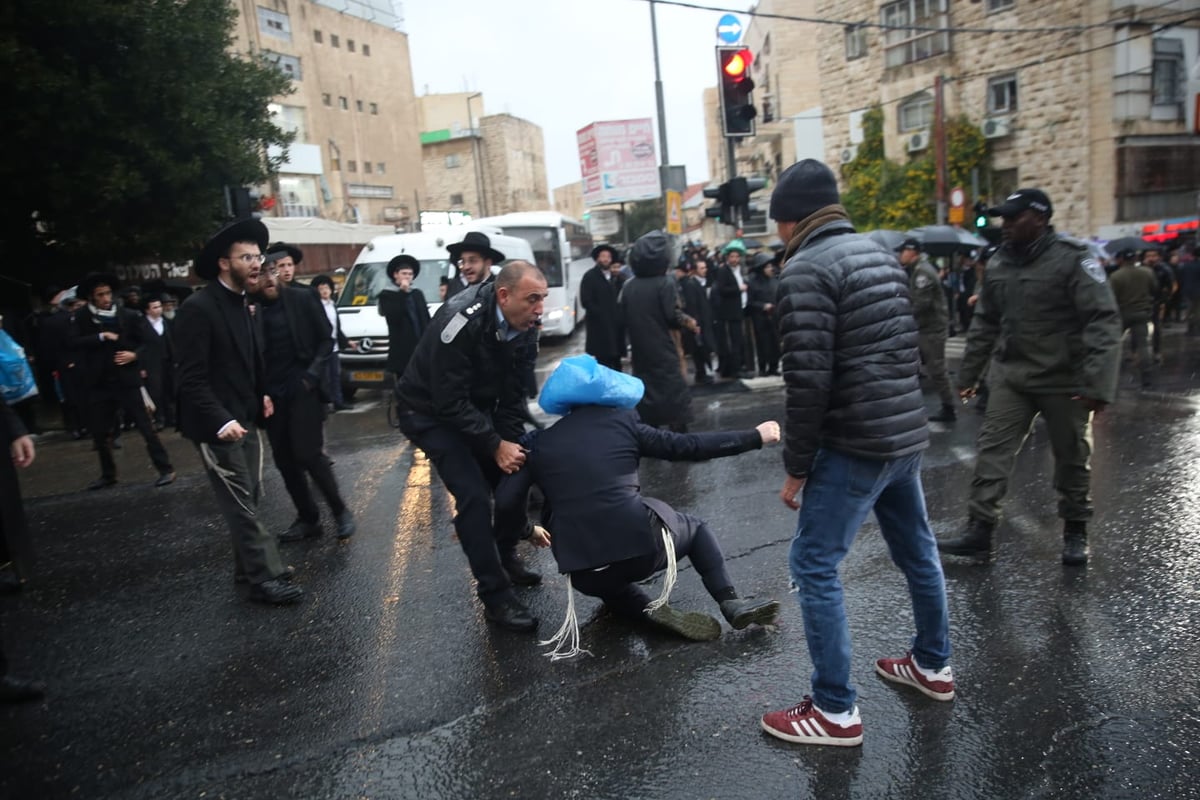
731, 162
658, 90
474, 134
939, 148
624, 225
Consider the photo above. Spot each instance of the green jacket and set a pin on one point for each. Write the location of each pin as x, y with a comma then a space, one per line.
1048, 321
1135, 287
928, 299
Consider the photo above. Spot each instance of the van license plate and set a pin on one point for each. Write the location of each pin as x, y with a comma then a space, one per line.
374, 376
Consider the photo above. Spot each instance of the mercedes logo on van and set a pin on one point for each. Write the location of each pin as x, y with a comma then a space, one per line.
365, 345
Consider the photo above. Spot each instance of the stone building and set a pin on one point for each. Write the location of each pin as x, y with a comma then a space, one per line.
1100, 113
484, 165
356, 156
568, 200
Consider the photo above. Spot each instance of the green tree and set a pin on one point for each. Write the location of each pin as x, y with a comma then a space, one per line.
885, 194
640, 218
126, 119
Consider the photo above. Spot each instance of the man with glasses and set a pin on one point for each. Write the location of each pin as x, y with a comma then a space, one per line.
223, 401
474, 257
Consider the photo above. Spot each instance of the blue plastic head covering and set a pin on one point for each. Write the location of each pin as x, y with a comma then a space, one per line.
582, 381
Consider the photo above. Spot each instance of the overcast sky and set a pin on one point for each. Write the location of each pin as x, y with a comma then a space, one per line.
563, 64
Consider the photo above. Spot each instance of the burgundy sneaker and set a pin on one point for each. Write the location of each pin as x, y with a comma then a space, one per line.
805, 724
904, 670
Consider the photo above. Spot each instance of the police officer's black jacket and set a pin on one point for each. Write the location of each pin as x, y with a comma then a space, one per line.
850, 358
464, 375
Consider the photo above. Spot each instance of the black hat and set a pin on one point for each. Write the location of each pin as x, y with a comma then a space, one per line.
475, 242
761, 260
612, 251
322, 280
94, 279
1021, 200
280, 249
400, 261
909, 244
132, 288
803, 189
240, 230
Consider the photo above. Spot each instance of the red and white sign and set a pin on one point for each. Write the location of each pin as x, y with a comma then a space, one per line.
618, 162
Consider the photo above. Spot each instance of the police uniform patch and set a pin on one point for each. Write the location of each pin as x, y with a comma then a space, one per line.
456, 324
922, 281
1094, 270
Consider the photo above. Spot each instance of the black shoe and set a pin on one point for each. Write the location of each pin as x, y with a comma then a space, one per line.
746, 374
976, 541
509, 613
288, 573
705, 380
690, 625
1075, 550
276, 592
341, 406
101, 483
518, 572
300, 530
16, 690
345, 524
741, 613
947, 414
165, 479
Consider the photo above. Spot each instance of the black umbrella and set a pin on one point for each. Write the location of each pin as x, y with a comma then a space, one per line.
752, 244
946, 240
1134, 243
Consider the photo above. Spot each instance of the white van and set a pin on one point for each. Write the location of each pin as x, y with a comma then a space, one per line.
358, 303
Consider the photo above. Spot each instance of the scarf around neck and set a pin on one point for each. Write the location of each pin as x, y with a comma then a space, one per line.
815, 220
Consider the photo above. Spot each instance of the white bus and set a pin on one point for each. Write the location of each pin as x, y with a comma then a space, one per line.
562, 249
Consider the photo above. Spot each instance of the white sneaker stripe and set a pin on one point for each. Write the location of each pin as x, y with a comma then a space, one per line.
799, 730
817, 729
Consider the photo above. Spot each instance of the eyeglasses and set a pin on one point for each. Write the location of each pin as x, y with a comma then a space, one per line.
248, 258
470, 260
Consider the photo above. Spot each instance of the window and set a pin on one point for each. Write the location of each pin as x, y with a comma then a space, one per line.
856, 42
456, 199
333, 40
367, 167
1000, 5
453, 161
289, 119
374, 108
359, 105
904, 45
1002, 94
326, 99
1166, 75
273, 23
379, 168
350, 45
343, 103
352, 166
366, 50
916, 113
317, 37
288, 65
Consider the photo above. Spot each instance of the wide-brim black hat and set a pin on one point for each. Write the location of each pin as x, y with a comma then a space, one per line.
400, 261
94, 279
281, 247
240, 230
600, 248
475, 242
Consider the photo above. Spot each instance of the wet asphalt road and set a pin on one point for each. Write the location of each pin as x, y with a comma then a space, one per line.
387, 683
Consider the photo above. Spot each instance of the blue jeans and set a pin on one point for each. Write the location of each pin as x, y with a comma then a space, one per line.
839, 493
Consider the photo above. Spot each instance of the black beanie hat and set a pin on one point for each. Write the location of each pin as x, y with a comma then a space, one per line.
803, 189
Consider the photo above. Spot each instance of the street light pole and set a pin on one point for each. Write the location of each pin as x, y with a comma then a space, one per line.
658, 90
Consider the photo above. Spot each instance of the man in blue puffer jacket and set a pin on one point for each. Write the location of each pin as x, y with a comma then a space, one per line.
854, 431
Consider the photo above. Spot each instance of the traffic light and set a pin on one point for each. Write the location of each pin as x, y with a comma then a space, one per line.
740, 190
723, 210
242, 202
981, 215
736, 87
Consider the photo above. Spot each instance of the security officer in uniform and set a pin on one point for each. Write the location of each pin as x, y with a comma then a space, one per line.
1136, 288
1047, 319
932, 315
462, 401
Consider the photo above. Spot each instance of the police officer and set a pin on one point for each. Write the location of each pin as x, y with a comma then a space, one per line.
1136, 288
461, 400
932, 315
1047, 319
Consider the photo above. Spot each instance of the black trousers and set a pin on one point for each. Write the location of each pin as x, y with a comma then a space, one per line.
102, 410
471, 478
617, 583
766, 342
729, 346
297, 434
162, 392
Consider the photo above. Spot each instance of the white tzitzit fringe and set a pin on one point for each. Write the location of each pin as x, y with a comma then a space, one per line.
224, 474
671, 574
566, 641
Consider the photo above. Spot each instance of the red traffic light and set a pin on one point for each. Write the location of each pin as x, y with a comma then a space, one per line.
737, 64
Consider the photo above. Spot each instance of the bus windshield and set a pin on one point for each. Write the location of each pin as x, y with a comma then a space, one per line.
547, 253
366, 281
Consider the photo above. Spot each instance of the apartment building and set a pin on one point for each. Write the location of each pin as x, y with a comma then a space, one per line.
357, 152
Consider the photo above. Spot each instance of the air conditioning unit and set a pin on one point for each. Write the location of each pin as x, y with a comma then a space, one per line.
918, 141
996, 127
849, 153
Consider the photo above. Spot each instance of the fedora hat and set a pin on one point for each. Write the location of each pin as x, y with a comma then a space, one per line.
401, 261
475, 242
612, 251
289, 249
94, 279
240, 230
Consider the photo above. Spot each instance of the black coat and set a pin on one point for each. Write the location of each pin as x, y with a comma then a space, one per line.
220, 369
598, 294
158, 352
587, 466
403, 334
97, 371
726, 295
650, 308
14, 532
312, 339
696, 305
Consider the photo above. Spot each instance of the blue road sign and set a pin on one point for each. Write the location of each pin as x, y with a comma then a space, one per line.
729, 29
